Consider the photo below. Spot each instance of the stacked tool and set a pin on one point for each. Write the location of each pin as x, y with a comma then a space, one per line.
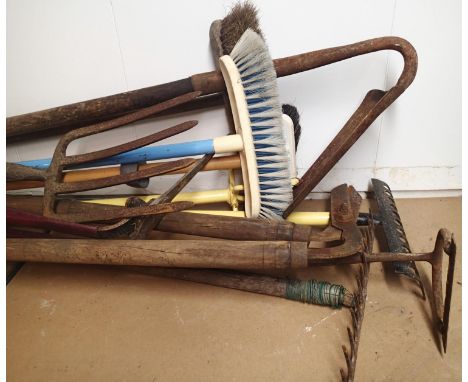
265, 139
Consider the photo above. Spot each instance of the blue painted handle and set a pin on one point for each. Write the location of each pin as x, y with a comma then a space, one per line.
140, 155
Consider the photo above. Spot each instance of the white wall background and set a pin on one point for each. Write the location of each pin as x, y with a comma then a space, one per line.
60, 52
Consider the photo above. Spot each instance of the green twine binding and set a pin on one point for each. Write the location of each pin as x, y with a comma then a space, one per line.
316, 292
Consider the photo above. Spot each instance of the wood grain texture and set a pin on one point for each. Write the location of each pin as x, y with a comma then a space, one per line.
161, 253
223, 227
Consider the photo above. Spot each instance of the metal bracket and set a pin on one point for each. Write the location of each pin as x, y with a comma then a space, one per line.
129, 168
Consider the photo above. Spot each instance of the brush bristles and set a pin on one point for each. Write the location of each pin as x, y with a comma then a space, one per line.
241, 17
292, 112
258, 77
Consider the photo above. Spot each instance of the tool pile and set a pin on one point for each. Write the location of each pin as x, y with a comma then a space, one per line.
262, 232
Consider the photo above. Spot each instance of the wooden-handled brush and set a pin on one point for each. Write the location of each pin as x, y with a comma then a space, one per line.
253, 95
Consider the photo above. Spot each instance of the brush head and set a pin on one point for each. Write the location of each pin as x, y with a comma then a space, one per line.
292, 112
242, 16
251, 82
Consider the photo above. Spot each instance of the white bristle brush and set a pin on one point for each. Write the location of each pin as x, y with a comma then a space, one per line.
251, 83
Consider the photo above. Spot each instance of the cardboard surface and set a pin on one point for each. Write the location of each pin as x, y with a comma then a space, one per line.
75, 323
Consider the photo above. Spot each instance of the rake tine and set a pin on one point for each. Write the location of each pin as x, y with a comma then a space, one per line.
75, 160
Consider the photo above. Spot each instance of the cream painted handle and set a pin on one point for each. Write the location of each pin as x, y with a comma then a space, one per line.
305, 218
228, 144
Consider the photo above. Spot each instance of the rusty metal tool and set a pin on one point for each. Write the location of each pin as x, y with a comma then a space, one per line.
144, 225
444, 244
222, 227
22, 219
357, 316
357, 310
340, 243
55, 186
394, 231
18, 218
374, 103
229, 254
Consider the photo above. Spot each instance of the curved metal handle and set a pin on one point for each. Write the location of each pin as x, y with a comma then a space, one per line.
374, 103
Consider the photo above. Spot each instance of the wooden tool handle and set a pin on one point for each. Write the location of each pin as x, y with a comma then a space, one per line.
17, 172
267, 285
162, 253
18, 218
222, 227
247, 282
225, 227
95, 110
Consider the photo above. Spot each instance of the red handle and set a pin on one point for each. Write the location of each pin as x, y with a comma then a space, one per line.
25, 219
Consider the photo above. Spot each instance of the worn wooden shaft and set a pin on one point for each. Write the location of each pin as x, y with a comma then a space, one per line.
84, 113
24, 184
223, 227
15, 217
381, 257
162, 253
246, 282
241, 281
65, 118
20, 233
15, 171
34, 204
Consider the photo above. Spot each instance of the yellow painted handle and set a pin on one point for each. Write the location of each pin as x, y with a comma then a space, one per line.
222, 196
306, 218
218, 196
198, 197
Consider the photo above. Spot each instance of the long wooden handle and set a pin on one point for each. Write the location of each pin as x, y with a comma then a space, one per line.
18, 218
247, 282
162, 253
92, 111
18, 172
222, 227
65, 118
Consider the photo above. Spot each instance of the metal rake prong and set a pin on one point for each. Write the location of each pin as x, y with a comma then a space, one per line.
347, 357
343, 375
127, 118
394, 231
75, 160
357, 314
451, 250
